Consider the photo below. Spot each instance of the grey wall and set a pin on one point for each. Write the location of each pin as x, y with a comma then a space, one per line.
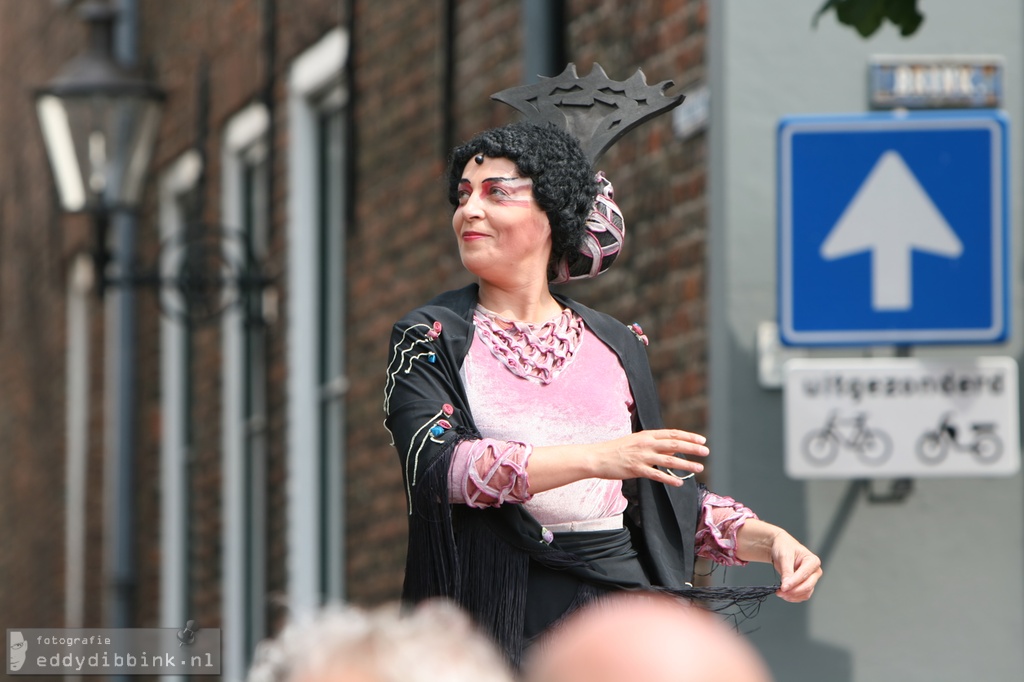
928, 589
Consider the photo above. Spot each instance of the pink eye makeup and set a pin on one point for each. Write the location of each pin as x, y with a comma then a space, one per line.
505, 191
511, 185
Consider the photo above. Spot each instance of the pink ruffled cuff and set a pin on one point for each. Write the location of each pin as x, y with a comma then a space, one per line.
721, 518
489, 472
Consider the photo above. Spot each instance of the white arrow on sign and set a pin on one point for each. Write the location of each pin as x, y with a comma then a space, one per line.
891, 215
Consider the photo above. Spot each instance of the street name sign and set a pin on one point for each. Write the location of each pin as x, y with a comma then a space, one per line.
935, 81
901, 417
892, 228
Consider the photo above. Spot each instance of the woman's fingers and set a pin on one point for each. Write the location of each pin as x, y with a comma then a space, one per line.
672, 441
667, 476
673, 471
676, 434
692, 449
798, 592
805, 578
672, 444
679, 464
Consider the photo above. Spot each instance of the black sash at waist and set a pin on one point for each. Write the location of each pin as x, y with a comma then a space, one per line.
612, 565
612, 560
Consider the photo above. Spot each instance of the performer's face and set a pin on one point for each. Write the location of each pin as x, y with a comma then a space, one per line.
504, 236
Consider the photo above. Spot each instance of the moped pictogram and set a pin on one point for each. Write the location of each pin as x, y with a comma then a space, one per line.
934, 446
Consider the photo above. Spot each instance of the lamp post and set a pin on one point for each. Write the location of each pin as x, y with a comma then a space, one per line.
99, 123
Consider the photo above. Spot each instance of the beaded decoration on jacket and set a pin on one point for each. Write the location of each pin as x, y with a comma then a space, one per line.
536, 352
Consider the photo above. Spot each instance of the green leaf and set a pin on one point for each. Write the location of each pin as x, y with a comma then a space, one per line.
864, 15
867, 16
904, 14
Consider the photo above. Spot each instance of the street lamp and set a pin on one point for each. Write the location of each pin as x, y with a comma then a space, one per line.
99, 123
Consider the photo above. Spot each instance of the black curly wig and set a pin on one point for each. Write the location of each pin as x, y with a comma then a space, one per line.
563, 180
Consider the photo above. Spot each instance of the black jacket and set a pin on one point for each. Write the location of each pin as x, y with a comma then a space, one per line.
480, 557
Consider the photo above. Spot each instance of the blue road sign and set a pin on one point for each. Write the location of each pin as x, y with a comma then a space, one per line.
893, 228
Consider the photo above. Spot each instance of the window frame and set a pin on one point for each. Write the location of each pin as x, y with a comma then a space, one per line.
181, 178
315, 513
244, 362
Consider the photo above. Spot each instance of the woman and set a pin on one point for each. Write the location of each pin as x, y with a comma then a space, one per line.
537, 469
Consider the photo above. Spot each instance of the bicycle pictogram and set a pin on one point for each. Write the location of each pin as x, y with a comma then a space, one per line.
934, 446
871, 445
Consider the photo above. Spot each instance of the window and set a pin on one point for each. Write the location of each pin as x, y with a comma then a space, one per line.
316, 341
246, 214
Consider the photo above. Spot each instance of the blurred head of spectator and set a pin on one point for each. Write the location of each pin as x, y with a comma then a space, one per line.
436, 641
644, 637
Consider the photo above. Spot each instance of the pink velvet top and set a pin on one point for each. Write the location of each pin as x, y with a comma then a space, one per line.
556, 384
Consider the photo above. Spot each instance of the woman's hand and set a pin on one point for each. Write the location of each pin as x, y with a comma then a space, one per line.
637, 455
798, 567
634, 456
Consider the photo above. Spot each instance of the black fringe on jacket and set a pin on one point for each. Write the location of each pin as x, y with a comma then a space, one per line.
466, 555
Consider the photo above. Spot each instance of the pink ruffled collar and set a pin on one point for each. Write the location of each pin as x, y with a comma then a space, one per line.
537, 352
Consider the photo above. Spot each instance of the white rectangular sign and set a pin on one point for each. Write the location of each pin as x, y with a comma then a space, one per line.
901, 417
